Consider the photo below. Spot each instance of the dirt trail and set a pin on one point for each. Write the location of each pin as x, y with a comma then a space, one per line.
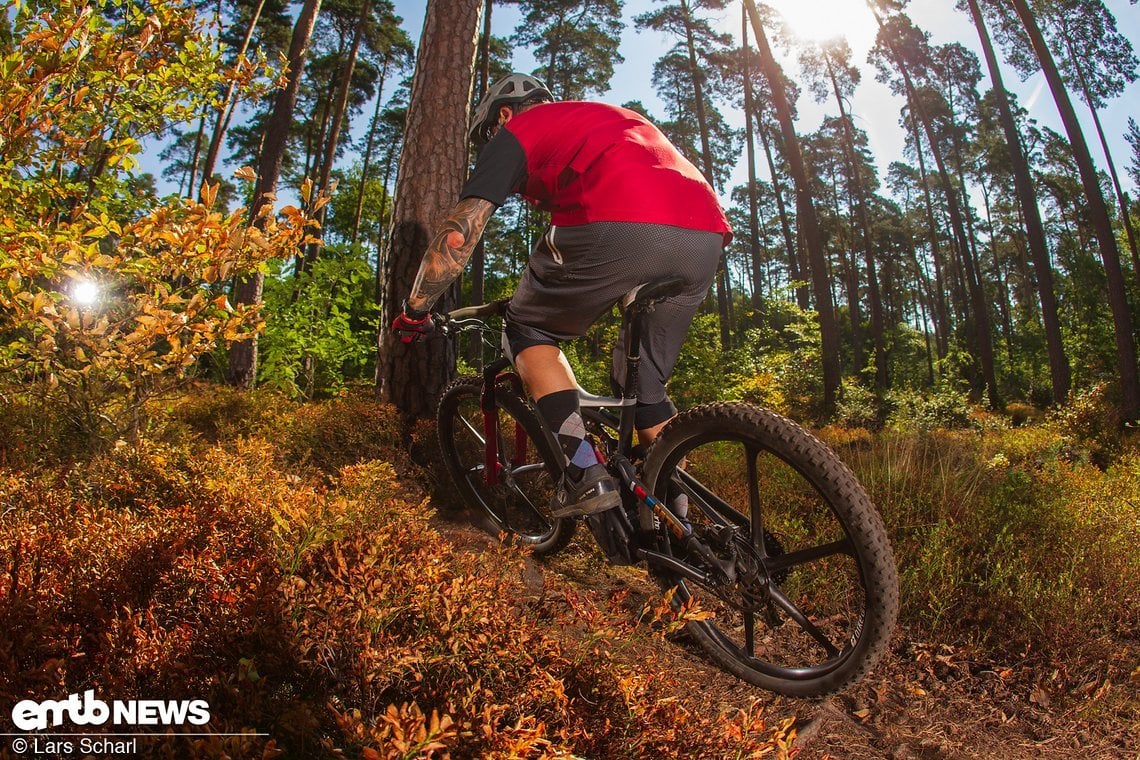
923, 701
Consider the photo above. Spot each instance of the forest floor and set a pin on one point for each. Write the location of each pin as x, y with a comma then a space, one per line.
925, 699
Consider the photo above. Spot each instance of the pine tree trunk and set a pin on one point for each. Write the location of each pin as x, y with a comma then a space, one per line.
227, 108
706, 163
381, 232
197, 153
243, 354
805, 214
433, 164
339, 107
850, 277
1125, 217
877, 331
1098, 211
978, 306
941, 309
479, 255
923, 287
790, 246
1034, 229
750, 143
369, 145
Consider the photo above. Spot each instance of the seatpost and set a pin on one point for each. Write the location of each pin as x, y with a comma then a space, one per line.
632, 365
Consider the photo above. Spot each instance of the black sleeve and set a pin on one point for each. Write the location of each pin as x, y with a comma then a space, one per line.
499, 171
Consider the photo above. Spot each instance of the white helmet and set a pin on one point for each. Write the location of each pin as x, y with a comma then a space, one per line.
511, 89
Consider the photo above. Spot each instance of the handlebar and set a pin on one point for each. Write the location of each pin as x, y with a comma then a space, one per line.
469, 318
495, 308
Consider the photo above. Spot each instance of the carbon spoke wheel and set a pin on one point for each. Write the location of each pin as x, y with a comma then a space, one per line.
817, 609
519, 501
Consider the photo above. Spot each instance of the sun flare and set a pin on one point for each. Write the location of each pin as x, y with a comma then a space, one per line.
819, 20
85, 292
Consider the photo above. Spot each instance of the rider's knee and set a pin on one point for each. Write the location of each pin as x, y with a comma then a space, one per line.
649, 416
517, 338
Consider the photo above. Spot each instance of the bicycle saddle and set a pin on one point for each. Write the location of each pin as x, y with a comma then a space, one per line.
653, 291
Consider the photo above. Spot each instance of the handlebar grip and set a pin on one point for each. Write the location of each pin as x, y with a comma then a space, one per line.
483, 310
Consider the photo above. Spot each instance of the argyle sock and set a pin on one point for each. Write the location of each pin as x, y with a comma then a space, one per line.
561, 413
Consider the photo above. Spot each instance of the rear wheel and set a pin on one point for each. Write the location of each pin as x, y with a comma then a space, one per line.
817, 609
519, 501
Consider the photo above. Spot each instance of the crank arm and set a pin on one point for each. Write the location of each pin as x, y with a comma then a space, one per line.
677, 566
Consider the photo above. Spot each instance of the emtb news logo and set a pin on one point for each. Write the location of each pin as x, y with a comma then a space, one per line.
30, 715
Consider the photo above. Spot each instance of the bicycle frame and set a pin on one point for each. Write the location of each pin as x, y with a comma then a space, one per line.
593, 408
726, 550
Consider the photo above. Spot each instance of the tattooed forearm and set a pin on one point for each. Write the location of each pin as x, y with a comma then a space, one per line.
449, 251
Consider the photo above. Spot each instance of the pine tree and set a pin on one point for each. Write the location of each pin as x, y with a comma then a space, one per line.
433, 164
1034, 229
681, 77
243, 355
830, 74
1102, 224
575, 41
806, 217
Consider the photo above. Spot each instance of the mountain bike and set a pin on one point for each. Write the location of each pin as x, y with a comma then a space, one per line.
758, 532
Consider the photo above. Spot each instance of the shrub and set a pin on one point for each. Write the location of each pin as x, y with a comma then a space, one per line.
1001, 539
1091, 425
945, 407
351, 428
320, 327
216, 413
104, 302
857, 407
1021, 414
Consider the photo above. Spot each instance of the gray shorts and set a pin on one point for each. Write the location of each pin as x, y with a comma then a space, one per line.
576, 274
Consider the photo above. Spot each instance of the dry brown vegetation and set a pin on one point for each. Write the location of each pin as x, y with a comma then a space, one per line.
265, 559
287, 563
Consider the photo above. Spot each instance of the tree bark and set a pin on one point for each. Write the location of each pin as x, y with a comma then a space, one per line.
433, 164
1098, 212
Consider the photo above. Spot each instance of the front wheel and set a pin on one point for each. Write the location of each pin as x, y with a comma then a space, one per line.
811, 605
518, 503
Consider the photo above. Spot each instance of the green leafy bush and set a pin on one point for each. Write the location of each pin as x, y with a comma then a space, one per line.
944, 407
320, 331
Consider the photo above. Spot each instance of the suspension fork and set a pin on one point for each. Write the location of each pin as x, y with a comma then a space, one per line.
492, 375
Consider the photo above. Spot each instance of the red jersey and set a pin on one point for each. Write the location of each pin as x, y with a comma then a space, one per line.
591, 162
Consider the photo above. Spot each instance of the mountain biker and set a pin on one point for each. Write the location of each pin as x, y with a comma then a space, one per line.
626, 208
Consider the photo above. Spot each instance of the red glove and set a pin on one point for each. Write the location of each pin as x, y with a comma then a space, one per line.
412, 326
